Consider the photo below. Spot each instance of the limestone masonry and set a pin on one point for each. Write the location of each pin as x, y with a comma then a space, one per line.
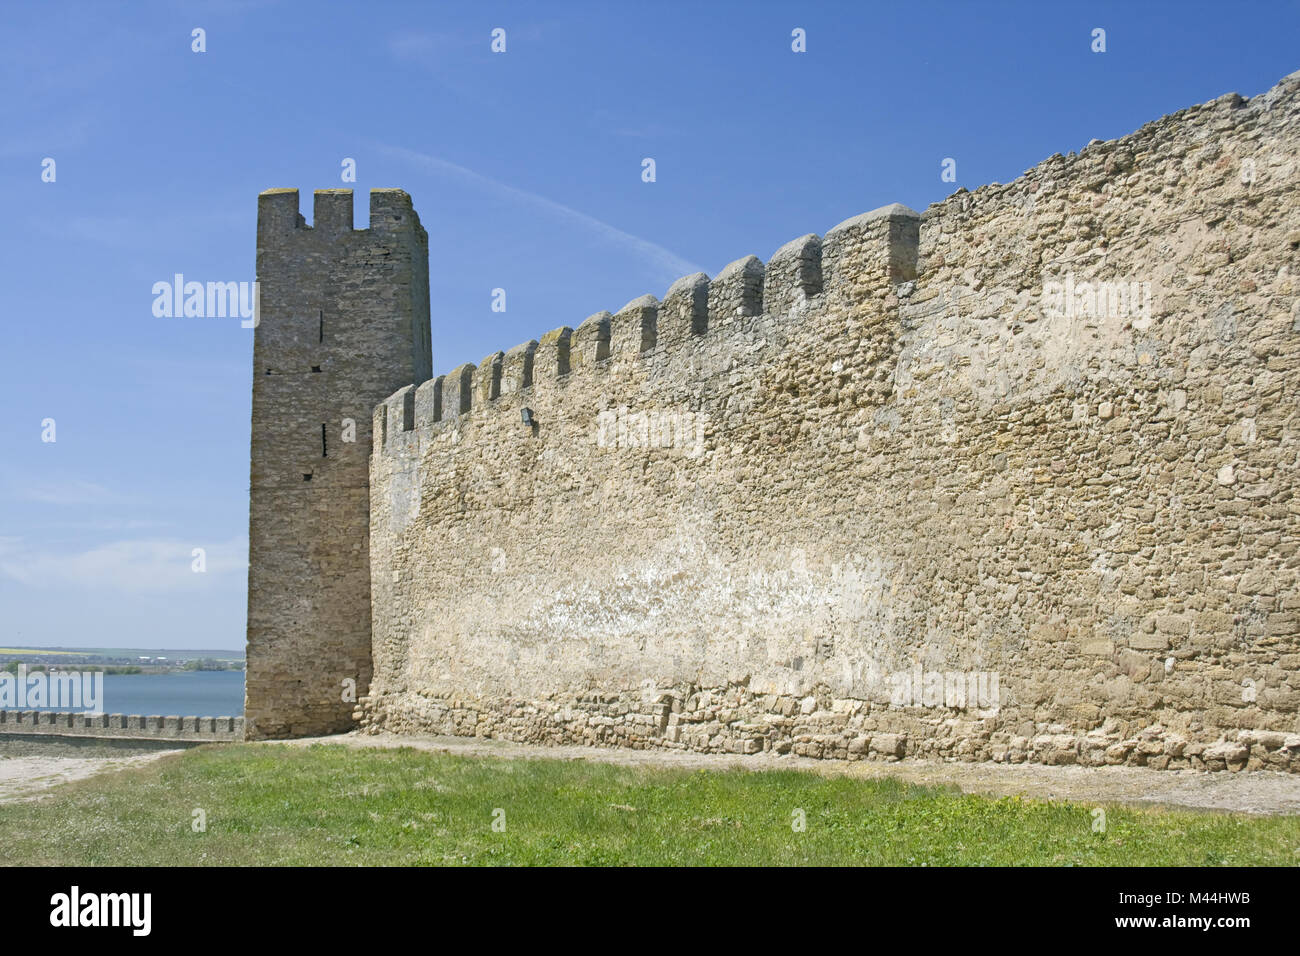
121, 726
1008, 480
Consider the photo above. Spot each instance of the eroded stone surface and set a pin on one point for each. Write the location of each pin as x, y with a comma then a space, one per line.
895, 451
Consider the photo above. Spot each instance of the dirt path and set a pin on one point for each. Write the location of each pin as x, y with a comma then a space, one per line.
28, 776
1260, 792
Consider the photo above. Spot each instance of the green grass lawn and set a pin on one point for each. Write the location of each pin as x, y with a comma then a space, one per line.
331, 805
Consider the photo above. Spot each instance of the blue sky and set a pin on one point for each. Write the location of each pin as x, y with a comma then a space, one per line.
526, 170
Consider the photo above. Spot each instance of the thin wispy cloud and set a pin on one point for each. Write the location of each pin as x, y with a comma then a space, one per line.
109, 524
665, 260
73, 492
149, 565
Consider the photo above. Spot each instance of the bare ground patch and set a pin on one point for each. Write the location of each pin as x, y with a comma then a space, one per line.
29, 776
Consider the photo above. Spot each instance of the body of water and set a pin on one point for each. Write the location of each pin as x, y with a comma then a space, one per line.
184, 694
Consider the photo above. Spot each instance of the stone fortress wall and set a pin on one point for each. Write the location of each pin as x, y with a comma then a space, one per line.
126, 727
1008, 480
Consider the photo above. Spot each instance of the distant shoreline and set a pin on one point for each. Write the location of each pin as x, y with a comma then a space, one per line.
120, 661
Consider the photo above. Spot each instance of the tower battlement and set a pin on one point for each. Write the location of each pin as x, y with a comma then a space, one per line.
391, 213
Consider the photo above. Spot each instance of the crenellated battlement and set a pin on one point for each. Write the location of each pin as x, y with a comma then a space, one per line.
279, 216
872, 250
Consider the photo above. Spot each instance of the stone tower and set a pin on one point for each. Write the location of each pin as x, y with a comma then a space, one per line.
344, 321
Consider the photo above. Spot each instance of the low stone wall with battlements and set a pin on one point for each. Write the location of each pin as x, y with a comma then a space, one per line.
122, 726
